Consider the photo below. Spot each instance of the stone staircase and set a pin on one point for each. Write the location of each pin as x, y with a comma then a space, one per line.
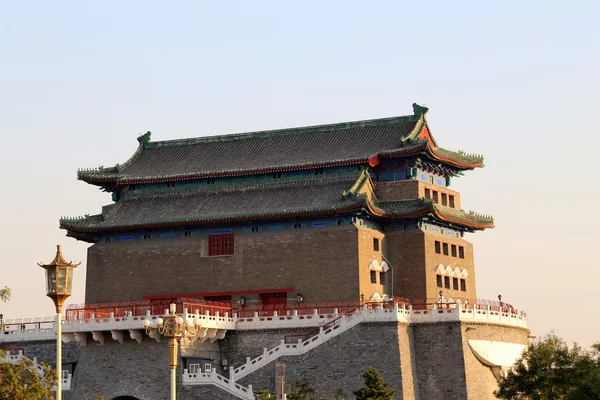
333, 327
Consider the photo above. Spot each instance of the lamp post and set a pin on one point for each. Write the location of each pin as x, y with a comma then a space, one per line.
173, 327
59, 283
299, 298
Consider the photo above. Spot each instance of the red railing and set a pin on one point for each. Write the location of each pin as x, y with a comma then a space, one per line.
141, 307
158, 307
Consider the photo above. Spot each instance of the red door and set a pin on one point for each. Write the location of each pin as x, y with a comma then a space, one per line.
273, 298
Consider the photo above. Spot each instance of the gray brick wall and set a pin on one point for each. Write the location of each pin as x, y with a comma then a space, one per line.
421, 361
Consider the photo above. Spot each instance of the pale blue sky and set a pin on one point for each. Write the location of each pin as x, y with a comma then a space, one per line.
514, 81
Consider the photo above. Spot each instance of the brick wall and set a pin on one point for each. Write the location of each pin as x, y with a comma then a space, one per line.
480, 380
319, 263
440, 367
340, 362
412, 189
432, 260
366, 254
397, 190
406, 253
430, 361
44, 350
139, 370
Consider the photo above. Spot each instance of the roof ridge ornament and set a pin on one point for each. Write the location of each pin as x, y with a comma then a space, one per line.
145, 138
419, 111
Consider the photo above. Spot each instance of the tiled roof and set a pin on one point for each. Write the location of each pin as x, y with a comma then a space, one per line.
308, 147
422, 207
285, 198
224, 204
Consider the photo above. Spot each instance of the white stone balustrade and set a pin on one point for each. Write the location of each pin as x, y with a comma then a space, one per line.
213, 327
213, 378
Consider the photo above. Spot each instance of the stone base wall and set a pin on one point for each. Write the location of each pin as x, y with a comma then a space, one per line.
424, 361
340, 362
44, 350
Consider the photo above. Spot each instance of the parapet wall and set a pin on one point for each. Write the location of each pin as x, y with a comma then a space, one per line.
424, 354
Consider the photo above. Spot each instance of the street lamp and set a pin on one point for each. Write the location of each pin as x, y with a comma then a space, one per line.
59, 283
173, 327
299, 298
1, 325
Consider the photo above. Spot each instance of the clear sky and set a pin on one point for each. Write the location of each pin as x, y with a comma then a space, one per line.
514, 81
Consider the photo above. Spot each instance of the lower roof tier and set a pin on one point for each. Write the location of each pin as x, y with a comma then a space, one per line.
348, 194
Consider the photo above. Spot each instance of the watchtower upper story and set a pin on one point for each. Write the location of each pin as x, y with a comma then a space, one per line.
337, 212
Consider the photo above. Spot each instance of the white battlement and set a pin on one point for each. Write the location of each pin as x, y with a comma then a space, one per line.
214, 327
116, 328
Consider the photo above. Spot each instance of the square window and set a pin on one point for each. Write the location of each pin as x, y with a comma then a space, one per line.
373, 276
187, 233
445, 249
461, 252
438, 247
375, 244
318, 171
427, 194
451, 198
255, 229
194, 368
447, 282
439, 281
455, 283
463, 285
210, 181
220, 244
444, 199
382, 278
147, 236
453, 249
435, 197
277, 175
297, 226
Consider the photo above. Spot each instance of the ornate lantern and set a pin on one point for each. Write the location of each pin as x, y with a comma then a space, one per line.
59, 279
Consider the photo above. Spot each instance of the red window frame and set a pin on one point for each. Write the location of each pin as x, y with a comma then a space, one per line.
219, 245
